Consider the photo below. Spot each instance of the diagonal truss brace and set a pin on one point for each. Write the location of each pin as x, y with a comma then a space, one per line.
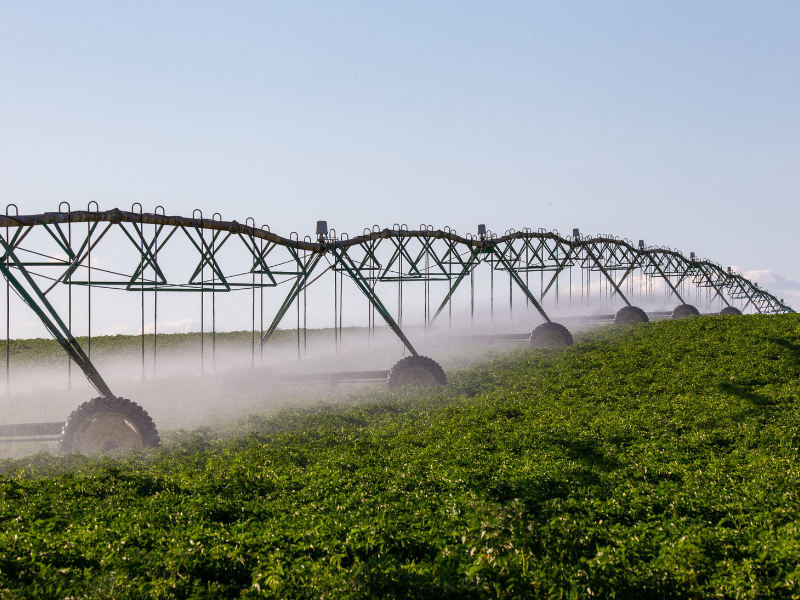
465, 268
717, 291
663, 276
559, 269
602, 269
50, 319
206, 255
518, 280
294, 292
349, 266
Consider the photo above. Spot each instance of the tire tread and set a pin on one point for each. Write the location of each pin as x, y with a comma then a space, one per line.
540, 330
393, 380
131, 410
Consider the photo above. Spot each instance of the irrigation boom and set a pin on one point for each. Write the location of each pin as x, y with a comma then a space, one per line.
44, 251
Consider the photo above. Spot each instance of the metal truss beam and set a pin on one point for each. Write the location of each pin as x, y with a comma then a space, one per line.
425, 256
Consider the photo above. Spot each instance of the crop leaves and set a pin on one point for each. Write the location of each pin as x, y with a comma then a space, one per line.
653, 461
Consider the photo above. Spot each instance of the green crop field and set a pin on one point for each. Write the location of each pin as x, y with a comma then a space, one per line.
38, 351
653, 461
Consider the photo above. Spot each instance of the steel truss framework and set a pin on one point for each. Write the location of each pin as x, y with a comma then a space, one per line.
395, 256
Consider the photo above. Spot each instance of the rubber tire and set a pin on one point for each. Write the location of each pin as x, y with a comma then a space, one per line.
403, 366
730, 311
546, 334
630, 315
129, 410
684, 310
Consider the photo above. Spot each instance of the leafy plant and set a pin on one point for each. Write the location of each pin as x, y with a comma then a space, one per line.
653, 461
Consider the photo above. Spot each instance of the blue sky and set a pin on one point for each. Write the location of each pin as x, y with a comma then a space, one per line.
676, 122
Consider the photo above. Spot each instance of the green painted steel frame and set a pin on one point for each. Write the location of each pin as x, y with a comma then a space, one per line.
414, 256
50, 318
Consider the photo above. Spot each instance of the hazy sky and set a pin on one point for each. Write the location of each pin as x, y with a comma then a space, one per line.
676, 122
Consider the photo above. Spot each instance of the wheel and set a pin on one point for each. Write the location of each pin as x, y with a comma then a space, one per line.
730, 311
416, 370
550, 334
108, 425
684, 310
630, 315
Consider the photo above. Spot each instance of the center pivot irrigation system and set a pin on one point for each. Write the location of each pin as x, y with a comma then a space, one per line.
211, 256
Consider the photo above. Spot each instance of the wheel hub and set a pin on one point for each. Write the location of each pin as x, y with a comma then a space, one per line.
107, 432
552, 338
417, 376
